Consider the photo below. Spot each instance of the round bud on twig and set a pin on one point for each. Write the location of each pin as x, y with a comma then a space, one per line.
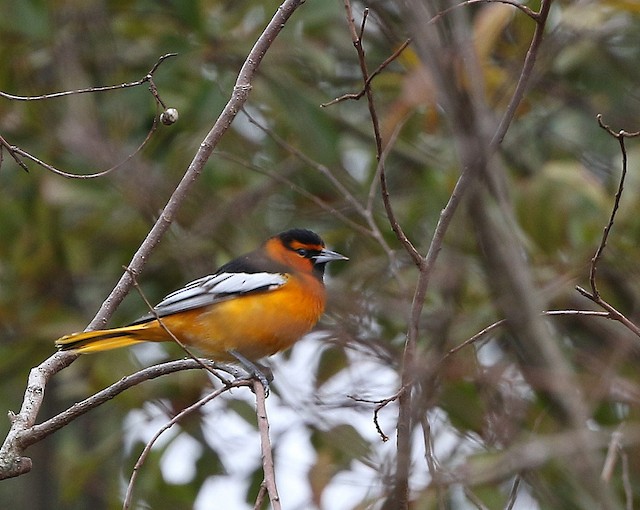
169, 116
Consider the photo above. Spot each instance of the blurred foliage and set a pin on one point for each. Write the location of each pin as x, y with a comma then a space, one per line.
63, 242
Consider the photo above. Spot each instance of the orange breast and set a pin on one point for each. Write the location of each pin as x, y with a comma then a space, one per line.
256, 325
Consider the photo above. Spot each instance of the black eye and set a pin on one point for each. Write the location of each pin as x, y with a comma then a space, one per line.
302, 252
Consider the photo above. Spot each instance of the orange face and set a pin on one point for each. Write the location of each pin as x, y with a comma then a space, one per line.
295, 254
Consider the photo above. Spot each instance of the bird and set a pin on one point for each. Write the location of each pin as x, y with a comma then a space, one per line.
252, 307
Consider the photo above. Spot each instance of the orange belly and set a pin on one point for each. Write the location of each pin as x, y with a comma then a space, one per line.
255, 325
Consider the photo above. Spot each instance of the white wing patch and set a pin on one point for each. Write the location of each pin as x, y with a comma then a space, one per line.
241, 283
214, 288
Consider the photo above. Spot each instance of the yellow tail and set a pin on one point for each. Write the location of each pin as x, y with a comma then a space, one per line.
106, 339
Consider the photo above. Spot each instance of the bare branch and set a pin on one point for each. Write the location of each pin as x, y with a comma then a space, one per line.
484, 332
612, 454
148, 78
616, 204
238, 98
265, 444
395, 225
12, 462
16, 151
380, 404
527, 68
12, 152
616, 134
379, 69
25, 433
513, 494
594, 295
612, 311
182, 414
262, 492
432, 461
38, 432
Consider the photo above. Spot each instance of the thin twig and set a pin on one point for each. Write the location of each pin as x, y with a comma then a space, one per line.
540, 18
607, 229
12, 152
616, 134
535, 16
484, 332
594, 295
182, 414
612, 454
181, 344
432, 462
148, 78
265, 444
620, 136
393, 221
16, 151
613, 313
379, 405
473, 499
357, 95
262, 492
403, 443
513, 493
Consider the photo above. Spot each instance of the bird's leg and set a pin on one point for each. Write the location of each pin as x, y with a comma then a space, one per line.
256, 370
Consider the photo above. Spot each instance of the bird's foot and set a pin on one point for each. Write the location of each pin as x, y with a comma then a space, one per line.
255, 370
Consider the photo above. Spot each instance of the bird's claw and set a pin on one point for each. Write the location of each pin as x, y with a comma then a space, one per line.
255, 370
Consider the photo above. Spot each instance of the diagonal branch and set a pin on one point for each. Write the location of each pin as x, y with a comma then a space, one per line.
38, 432
182, 414
238, 98
12, 462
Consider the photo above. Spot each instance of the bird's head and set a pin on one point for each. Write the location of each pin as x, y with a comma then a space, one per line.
302, 249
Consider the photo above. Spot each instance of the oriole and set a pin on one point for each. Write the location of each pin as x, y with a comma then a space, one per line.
254, 306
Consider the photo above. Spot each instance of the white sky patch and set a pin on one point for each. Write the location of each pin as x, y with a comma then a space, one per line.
140, 425
356, 160
220, 492
178, 462
250, 131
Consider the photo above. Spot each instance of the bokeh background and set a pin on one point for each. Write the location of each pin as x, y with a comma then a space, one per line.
63, 243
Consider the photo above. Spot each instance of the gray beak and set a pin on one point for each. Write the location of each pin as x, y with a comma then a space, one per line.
327, 256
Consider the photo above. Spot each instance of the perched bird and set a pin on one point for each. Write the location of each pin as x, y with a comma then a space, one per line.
254, 306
